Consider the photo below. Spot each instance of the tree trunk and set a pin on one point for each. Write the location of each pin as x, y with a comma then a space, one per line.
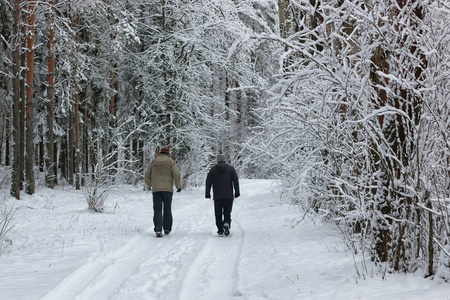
85, 139
70, 147
55, 159
70, 127
63, 160
430, 270
15, 176
50, 162
8, 140
41, 156
31, 16
76, 108
23, 100
404, 136
112, 99
284, 18
112, 104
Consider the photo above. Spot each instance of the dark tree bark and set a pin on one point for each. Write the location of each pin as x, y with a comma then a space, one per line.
23, 100
284, 18
7, 139
70, 128
31, 16
85, 139
76, 108
50, 161
63, 159
15, 176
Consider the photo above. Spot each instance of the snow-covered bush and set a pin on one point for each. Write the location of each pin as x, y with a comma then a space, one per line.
359, 121
6, 215
113, 162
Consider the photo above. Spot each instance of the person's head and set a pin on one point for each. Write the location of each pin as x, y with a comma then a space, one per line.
220, 157
165, 150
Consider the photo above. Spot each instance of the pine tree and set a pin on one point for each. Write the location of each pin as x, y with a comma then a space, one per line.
30, 35
15, 176
50, 157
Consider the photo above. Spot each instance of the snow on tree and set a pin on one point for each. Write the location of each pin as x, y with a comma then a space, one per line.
346, 122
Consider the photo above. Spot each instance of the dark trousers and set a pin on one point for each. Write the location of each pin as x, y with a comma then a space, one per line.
162, 211
222, 208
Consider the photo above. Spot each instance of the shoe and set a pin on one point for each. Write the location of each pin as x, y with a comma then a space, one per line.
220, 233
166, 231
226, 229
159, 234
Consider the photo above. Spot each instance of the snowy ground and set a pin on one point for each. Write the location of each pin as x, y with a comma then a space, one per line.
60, 250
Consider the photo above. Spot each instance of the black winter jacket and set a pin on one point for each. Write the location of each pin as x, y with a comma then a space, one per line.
223, 178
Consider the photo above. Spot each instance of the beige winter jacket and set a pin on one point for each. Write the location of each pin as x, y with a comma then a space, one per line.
162, 173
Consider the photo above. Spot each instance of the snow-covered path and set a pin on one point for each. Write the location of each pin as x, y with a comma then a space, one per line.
185, 264
190, 263
62, 251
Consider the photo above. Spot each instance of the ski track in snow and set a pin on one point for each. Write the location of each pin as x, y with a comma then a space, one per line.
95, 274
192, 260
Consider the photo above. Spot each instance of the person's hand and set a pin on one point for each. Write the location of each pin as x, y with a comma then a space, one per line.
208, 196
179, 190
236, 195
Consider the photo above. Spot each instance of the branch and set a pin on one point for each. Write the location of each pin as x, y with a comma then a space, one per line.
442, 247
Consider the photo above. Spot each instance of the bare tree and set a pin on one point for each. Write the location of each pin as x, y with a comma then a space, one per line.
6, 215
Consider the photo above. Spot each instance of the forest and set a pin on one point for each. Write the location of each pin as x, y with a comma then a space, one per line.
346, 102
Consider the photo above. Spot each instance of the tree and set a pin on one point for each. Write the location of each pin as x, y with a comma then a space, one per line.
30, 31
188, 59
5, 86
15, 176
346, 123
76, 114
50, 161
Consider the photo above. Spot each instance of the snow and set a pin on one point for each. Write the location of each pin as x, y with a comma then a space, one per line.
60, 250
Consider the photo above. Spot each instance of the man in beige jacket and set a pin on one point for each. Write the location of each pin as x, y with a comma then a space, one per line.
160, 177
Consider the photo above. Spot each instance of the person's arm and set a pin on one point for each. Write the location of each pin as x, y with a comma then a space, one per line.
148, 176
209, 181
176, 175
235, 179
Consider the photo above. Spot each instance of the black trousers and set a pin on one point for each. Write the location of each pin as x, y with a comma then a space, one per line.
222, 211
162, 211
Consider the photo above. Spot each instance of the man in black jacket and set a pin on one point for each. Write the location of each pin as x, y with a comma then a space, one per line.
223, 178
